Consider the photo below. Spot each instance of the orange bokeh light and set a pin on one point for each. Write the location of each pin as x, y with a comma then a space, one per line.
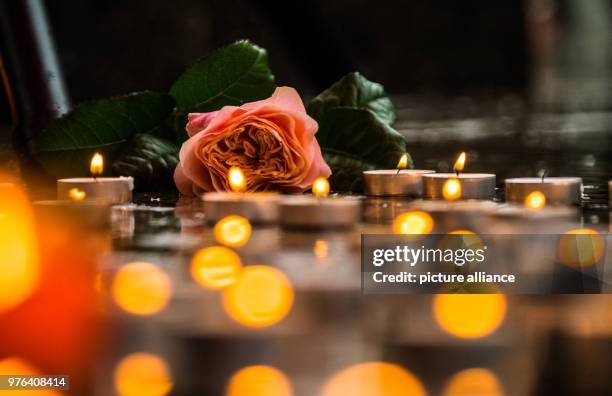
451, 189
469, 315
233, 231
215, 267
259, 381
374, 379
474, 382
581, 247
260, 297
141, 288
413, 223
535, 200
19, 254
143, 374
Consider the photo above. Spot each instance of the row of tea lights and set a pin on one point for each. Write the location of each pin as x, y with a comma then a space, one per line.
321, 210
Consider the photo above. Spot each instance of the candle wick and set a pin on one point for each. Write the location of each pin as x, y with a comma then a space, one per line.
457, 172
398, 171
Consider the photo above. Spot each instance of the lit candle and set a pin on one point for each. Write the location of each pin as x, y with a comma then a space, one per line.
395, 182
458, 185
557, 190
257, 207
319, 210
114, 190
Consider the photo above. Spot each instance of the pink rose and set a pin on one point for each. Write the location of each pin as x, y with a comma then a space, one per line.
272, 141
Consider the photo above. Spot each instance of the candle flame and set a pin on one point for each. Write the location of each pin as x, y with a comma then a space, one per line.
96, 167
320, 187
236, 179
535, 200
403, 162
76, 195
451, 189
460, 163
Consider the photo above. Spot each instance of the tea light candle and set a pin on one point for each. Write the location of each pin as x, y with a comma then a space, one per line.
257, 207
395, 182
558, 190
319, 210
114, 190
452, 186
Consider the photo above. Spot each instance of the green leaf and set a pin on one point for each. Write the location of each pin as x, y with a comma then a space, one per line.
232, 75
354, 91
150, 160
65, 148
354, 140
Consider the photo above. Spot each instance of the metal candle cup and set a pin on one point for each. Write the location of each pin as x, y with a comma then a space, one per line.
393, 182
305, 211
113, 190
557, 190
473, 185
258, 208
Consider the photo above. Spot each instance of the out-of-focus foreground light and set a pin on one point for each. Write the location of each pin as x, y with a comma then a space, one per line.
320, 187
469, 315
233, 231
374, 379
215, 267
581, 247
413, 223
143, 374
474, 382
535, 200
451, 189
19, 254
14, 366
260, 297
259, 381
141, 288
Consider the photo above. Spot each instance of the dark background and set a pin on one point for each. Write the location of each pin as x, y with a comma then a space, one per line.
438, 46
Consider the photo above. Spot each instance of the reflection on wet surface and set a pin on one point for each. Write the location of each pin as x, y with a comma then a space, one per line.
307, 341
317, 329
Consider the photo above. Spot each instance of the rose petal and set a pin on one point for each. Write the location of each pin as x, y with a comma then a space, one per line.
183, 183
